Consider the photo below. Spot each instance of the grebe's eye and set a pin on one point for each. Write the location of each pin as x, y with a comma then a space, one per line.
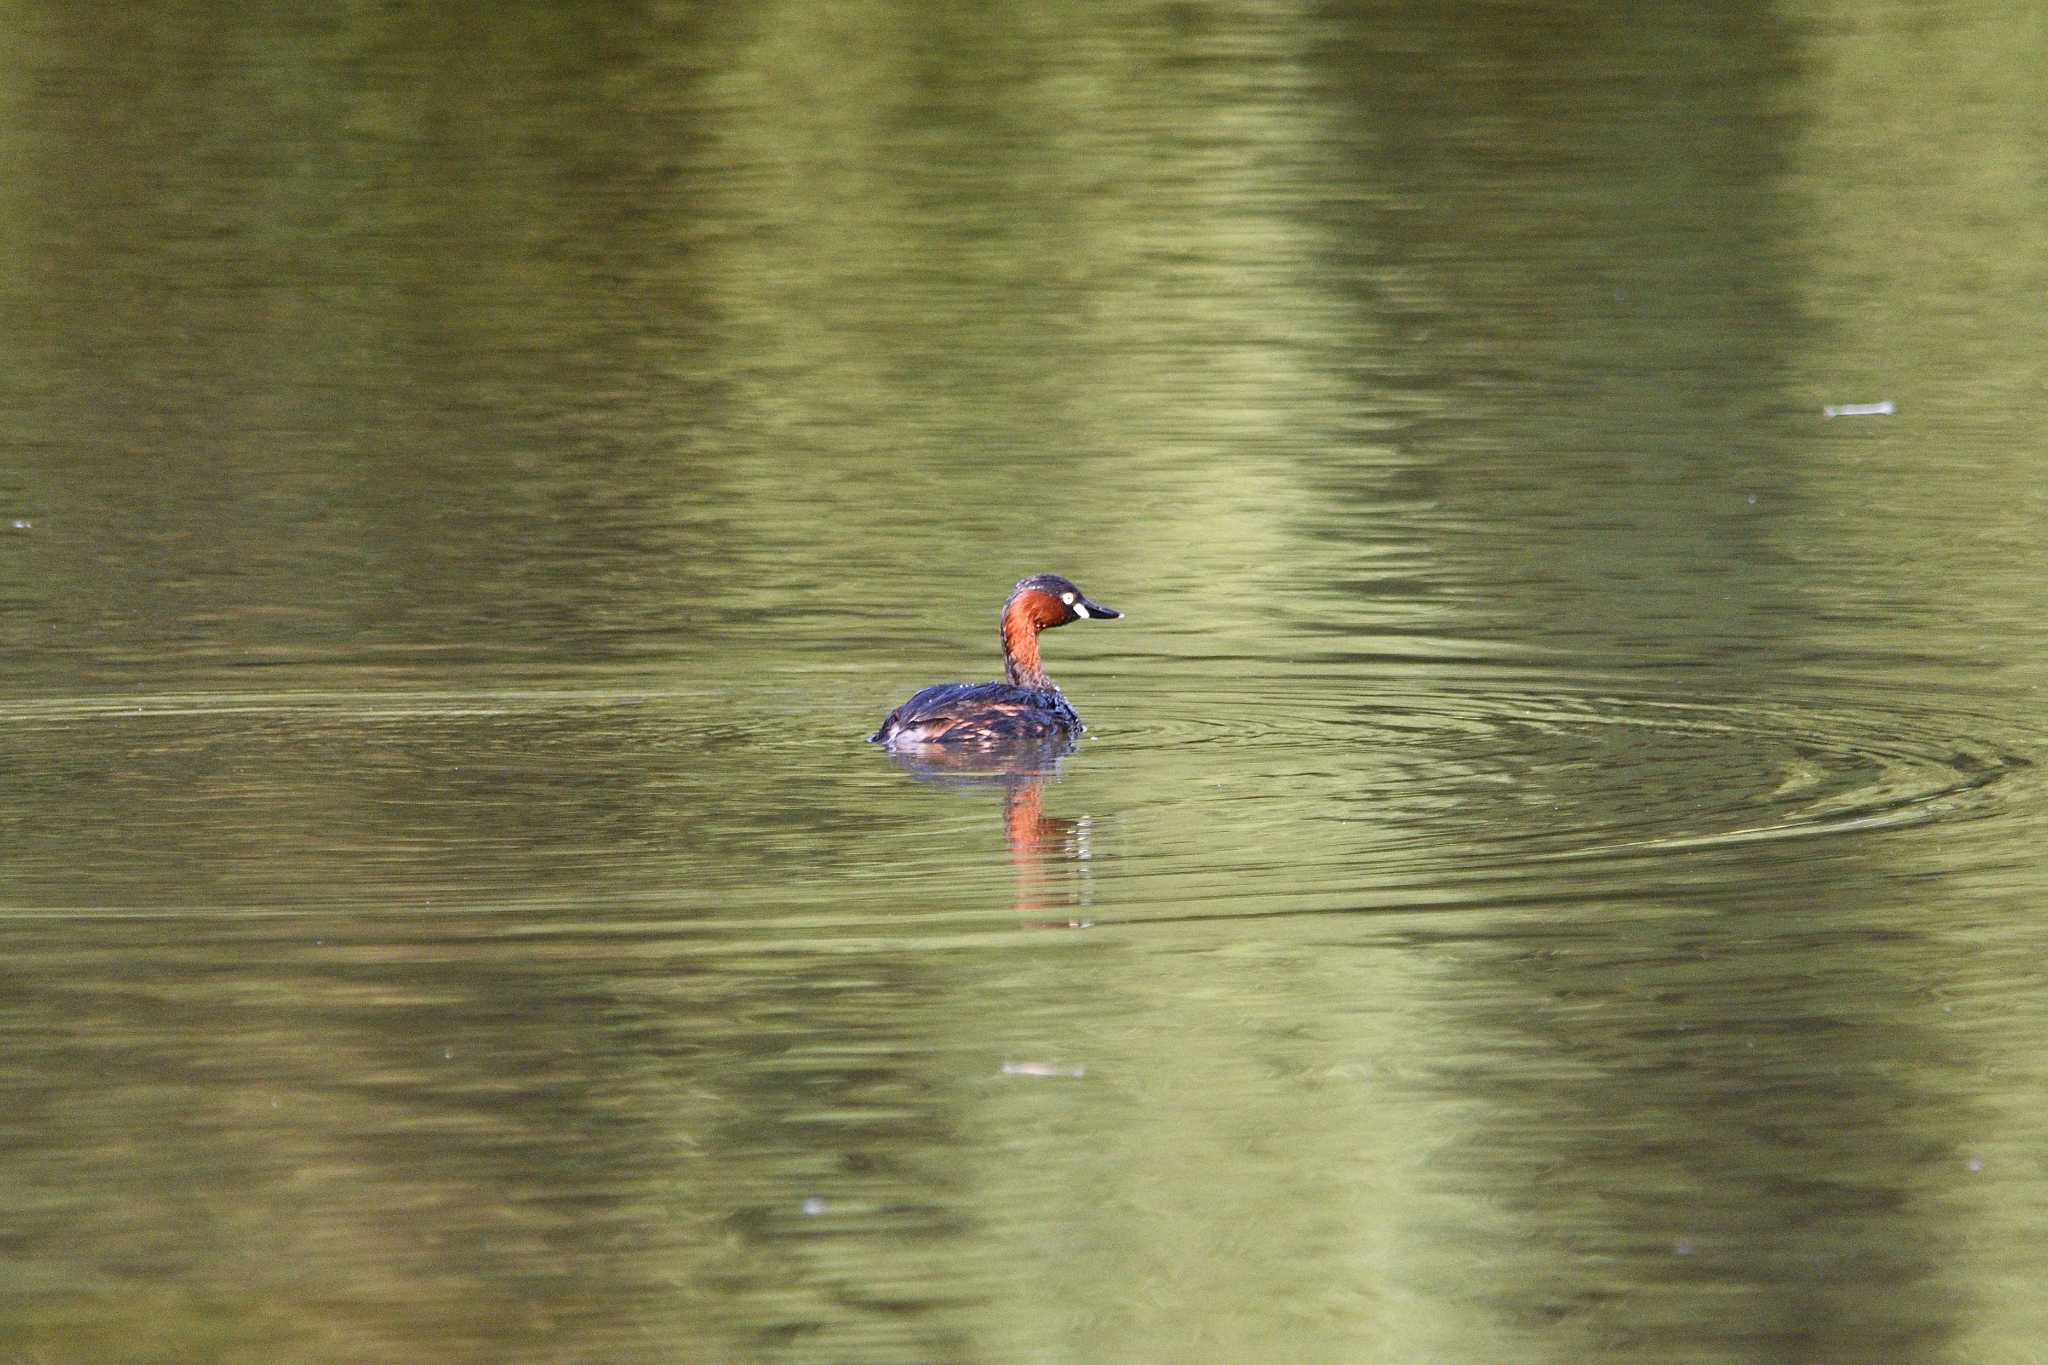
1067, 598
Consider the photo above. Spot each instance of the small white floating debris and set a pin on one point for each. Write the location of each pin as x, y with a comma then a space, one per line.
814, 1206
1883, 409
22, 524
1057, 1069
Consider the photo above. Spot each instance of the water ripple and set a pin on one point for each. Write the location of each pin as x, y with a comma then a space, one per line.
1437, 782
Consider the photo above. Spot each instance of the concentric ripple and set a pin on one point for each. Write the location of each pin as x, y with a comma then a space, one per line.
1286, 795
1319, 794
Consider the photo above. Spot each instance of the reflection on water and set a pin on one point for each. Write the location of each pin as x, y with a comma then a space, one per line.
1558, 836
1050, 853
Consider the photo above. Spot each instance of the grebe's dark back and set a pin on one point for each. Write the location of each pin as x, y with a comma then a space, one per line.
1029, 705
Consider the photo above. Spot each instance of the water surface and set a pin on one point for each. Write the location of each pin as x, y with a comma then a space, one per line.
1553, 869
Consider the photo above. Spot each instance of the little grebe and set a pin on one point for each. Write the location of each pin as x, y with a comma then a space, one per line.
1029, 705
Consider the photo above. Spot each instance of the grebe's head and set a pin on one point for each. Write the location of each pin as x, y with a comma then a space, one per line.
1047, 600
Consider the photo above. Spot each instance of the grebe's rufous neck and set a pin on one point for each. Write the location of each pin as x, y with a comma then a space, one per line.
1029, 705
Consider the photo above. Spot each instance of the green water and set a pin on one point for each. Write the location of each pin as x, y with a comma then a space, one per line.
1554, 869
